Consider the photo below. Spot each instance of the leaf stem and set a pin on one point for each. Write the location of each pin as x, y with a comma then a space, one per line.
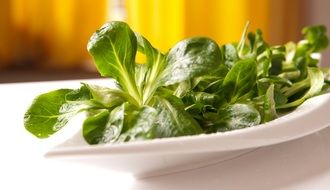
241, 44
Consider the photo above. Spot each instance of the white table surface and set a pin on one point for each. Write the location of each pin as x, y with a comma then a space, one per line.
300, 164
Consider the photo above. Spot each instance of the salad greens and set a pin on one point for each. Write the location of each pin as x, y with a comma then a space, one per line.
197, 87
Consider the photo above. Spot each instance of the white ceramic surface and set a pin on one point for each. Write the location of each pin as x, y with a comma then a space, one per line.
163, 156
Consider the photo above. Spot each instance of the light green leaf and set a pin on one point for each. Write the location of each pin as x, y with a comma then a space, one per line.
138, 124
269, 105
316, 81
172, 120
240, 79
109, 97
113, 48
152, 70
46, 115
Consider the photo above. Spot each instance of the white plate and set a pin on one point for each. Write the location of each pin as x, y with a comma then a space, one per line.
162, 156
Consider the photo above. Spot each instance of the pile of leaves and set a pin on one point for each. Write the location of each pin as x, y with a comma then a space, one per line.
197, 87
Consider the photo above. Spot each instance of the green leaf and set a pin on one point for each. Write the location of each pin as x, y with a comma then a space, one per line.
240, 79
239, 116
191, 58
276, 80
279, 56
211, 82
232, 117
153, 55
257, 43
141, 71
296, 87
139, 124
207, 98
183, 88
230, 55
152, 71
264, 61
95, 128
172, 120
241, 43
264, 83
46, 116
81, 94
316, 81
109, 97
279, 98
317, 37
113, 48
207, 83
269, 105
124, 123
105, 127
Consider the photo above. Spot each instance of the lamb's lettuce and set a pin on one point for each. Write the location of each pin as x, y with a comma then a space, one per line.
196, 87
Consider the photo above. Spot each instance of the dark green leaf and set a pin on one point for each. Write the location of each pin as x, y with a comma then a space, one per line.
94, 127
191, 58
256, 43
236, 116
104, 127
279, 98
211, 82
207, 98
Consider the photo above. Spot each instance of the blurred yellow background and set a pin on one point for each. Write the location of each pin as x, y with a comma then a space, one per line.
48, 33
165, 22
52, 34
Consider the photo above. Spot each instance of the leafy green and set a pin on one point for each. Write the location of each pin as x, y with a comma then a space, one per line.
233, 117
230, 54
113, 48
172, 120
196, 87
95, 128
269, 106
49, 112
316, 37
190, 58
139, 123
240, 79
108, 97
316, 82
